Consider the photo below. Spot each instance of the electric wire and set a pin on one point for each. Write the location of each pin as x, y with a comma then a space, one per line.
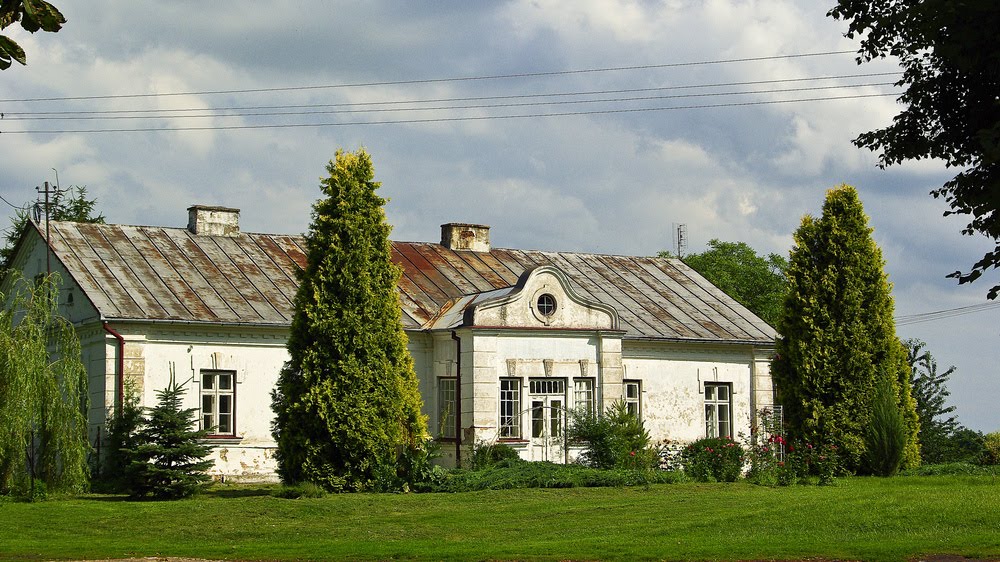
438, 108
438, 80
909, 319
14, 114
442, 119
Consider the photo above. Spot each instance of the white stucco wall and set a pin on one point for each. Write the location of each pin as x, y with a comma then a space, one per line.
673, 377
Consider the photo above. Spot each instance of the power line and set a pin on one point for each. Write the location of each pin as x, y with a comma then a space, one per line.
15, 114
439, 108
446, 119
943, 314
438, 80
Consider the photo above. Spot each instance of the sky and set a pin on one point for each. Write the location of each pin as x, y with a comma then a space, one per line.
574, 125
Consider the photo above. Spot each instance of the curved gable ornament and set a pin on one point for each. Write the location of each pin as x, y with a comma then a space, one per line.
542, 298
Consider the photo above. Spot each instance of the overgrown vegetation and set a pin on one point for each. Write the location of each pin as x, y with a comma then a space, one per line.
347, 408
885, 437
43, 394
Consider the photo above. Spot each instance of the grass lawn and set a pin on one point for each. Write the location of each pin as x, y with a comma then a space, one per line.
859, 518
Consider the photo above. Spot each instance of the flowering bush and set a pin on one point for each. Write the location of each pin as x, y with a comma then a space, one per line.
718, 458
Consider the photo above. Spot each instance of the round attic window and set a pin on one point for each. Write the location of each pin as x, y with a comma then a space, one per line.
546, 305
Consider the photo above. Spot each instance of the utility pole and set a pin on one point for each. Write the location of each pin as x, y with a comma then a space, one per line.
56, 193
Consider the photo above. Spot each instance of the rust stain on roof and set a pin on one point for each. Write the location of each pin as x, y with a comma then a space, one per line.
155, 273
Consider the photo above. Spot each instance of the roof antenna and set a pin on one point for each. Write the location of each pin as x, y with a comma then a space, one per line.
680, 239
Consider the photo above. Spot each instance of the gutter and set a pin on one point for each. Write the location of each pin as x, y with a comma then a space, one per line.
458, 399
120, 392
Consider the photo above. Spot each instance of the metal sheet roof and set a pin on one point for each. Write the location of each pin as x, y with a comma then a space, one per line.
157, 273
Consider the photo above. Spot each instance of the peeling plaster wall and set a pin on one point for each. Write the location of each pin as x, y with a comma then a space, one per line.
673, 376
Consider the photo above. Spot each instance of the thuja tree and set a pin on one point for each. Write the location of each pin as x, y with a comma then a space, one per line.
839, 337
346, 403
43, 393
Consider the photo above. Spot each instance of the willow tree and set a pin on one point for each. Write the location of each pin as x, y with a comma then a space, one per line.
43, 393
839, 338
346, 403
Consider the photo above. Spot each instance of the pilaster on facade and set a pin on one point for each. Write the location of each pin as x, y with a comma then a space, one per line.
612, 373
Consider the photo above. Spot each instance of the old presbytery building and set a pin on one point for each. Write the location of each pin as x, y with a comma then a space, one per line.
505, 342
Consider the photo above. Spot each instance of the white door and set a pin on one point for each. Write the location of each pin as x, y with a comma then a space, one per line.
547, 399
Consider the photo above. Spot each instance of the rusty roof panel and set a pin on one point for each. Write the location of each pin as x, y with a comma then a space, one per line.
170, 274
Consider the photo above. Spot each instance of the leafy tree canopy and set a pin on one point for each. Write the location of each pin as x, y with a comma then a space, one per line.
32, 15
951, 72
755, 281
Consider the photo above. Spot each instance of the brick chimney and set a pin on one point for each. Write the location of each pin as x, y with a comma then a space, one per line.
461, 236
213, 221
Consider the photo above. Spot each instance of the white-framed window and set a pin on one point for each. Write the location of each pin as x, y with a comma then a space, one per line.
510, 408
447, 406
583, 394
633, 398
218, 402
718, 410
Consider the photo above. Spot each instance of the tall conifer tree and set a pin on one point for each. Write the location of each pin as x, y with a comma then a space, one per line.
346, 404
839, 338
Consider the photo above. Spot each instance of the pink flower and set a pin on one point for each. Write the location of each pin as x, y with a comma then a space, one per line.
632, 453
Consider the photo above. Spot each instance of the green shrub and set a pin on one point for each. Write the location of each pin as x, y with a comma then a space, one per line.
486, 455
718, 458
616, 439
885, 439
991, 448
952, 469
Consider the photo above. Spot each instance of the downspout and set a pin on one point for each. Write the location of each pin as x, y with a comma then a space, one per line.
120, 393
458, 399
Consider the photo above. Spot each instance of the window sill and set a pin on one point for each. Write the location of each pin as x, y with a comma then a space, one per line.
217, 440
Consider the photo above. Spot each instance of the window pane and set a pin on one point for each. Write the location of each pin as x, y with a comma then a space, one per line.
225, 404
555, 419
224, 424
723, 393
709, 392
225, 381
208, 404
537, 419
207, 381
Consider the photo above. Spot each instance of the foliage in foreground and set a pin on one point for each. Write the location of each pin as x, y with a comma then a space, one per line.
885, 438
839, 338
43, 394
347, 408
948, 53
33, 15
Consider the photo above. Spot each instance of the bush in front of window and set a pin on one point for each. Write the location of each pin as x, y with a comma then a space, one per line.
714, 458
487, 455
615, 439
169, 460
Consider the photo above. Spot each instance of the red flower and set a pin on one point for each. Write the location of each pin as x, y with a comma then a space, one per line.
632, 453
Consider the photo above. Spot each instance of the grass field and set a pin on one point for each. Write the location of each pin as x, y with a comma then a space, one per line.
859, 518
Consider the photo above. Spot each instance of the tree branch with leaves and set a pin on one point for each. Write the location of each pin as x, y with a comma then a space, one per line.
32, 15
